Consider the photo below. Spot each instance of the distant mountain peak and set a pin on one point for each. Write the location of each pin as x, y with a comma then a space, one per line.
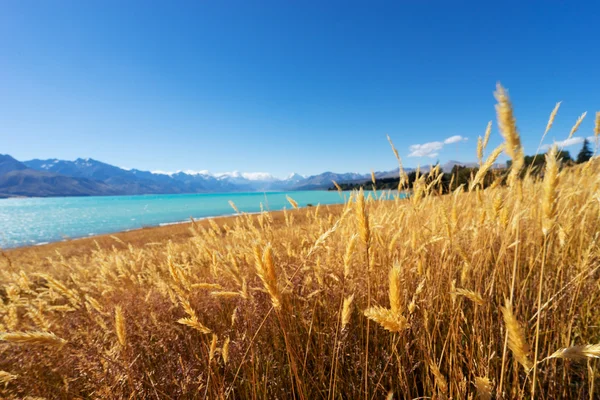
295, 175
87, 176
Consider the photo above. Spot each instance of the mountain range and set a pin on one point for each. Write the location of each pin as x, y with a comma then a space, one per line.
89, 177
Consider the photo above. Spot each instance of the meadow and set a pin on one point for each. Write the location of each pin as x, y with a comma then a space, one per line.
478, 293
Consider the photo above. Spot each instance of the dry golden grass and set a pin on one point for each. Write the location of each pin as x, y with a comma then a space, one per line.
434, 296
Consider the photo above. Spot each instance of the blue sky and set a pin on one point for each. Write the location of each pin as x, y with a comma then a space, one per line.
282, 86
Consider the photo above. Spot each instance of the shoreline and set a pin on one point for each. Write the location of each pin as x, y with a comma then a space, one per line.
175, 231
100, 220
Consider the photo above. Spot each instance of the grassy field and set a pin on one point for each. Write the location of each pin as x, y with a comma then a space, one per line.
478, 294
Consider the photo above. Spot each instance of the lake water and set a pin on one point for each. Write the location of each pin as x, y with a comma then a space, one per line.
31, 221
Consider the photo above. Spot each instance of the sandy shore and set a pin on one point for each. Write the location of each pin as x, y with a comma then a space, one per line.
139, 237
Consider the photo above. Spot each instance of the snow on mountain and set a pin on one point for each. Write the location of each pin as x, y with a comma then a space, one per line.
134, 181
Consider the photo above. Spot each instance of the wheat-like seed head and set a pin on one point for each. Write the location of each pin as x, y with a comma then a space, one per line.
393, 147
489, 162
6, 377
338, 187
347, 310
232, 204
440, 381
516, 337
323, 237
213, 348
265, 269
577, 353
362, 217
549, 195
94, 304
508, 128
205, 285
388, 319
551, 119
348, 256
401, 173
577, 123
292, 202
194, 323
225, 350
394, 289
120, 326
484, 388
486, 136
33, 338
187, 307
226, 294
483, 142
69, 294
471, 295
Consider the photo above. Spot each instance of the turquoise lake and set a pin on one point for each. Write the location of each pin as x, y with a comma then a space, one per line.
33, 221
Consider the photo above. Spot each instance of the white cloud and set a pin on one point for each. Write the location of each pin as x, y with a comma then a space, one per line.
455, 139
432, 149
426, 149
251, 176
258, 176
565, 143
192, 172
189, 172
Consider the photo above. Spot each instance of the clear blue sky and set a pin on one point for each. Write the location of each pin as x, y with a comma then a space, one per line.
282, 86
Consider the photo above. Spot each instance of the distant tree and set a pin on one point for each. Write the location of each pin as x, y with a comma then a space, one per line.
564, 156
585, 154
538, 161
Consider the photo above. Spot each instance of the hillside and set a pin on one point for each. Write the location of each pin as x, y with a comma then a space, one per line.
29, 183
18, 180
9, 164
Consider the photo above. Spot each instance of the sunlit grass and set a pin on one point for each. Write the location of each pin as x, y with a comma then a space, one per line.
489, 293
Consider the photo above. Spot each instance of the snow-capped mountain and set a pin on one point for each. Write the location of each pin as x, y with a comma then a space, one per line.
96, 177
